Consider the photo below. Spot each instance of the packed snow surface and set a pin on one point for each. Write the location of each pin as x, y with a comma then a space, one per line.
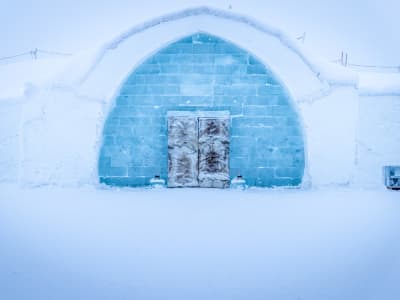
87, 243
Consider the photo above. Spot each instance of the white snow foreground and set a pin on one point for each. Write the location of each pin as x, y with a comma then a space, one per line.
87, 243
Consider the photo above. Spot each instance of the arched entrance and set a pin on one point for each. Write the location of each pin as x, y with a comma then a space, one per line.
201, 73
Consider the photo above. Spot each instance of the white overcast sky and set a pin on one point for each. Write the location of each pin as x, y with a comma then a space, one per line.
367, 29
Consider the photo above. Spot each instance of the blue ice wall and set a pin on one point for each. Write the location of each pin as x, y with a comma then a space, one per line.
203, 72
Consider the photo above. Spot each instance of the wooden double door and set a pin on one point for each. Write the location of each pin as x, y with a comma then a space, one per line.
198, 149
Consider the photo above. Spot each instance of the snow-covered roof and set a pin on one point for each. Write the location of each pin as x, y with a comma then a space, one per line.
379, 84
317, 66
15, 77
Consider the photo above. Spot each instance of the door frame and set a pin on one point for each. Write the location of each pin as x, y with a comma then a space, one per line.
199, 114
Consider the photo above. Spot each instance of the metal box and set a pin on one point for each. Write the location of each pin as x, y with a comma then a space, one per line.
392, 177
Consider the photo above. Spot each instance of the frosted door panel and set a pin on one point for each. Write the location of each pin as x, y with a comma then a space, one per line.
214, 152
182, 151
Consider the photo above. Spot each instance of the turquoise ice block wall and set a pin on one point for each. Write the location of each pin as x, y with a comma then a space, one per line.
203, 72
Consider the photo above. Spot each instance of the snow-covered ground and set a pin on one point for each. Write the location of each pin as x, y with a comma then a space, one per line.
88, 243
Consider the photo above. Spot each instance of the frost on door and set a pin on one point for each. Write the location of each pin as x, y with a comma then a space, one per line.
214, 152
198, 151
182, 151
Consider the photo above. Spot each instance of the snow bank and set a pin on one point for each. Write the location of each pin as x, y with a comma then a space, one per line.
199, 244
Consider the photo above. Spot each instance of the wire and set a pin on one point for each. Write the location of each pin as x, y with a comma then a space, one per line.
373, 66
33, 53
54, 52
343, 61
14, 56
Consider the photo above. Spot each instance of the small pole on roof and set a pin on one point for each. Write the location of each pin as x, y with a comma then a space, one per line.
341, 59
302, 37
346, 59
34, 53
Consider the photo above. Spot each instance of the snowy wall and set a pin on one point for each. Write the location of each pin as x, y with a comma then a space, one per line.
10, 121
331, 125
199, 73
59, 138
378, 137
